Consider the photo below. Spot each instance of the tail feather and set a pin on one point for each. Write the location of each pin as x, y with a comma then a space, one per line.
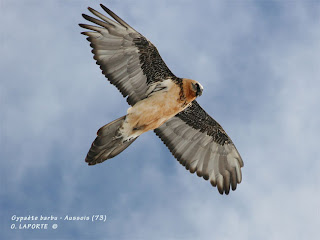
108, 143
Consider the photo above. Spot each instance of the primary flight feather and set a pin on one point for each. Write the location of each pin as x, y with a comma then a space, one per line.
159, 101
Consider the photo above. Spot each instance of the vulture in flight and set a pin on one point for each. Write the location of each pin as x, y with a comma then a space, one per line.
160, 101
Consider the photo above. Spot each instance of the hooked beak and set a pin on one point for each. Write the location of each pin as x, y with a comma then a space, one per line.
199, 90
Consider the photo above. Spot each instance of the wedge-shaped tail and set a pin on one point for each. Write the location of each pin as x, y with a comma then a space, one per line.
109, 143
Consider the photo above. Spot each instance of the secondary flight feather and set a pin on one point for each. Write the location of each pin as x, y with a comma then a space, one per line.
159, 101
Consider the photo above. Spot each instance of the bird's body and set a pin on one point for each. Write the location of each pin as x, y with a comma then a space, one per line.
159, 101
150, 113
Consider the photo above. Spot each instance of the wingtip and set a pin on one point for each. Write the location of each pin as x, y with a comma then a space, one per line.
92, 10
85, 16
103, 6
227, 190
82, 26
106, 9
116, 17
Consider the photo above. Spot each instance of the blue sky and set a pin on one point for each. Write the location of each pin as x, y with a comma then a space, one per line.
259, 64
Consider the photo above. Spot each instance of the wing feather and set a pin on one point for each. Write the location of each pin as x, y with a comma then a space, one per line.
201, 145
126, 58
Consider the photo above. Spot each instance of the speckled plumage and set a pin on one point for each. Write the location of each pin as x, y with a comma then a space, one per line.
196, 117
151, 62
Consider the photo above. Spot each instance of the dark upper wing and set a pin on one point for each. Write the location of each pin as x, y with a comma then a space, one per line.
126, 58
201, 145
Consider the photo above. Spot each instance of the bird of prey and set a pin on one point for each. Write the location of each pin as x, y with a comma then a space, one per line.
159, 101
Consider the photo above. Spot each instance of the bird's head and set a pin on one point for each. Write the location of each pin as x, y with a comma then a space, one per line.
192, 89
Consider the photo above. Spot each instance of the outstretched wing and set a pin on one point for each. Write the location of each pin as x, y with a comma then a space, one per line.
201, 145
126, 58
